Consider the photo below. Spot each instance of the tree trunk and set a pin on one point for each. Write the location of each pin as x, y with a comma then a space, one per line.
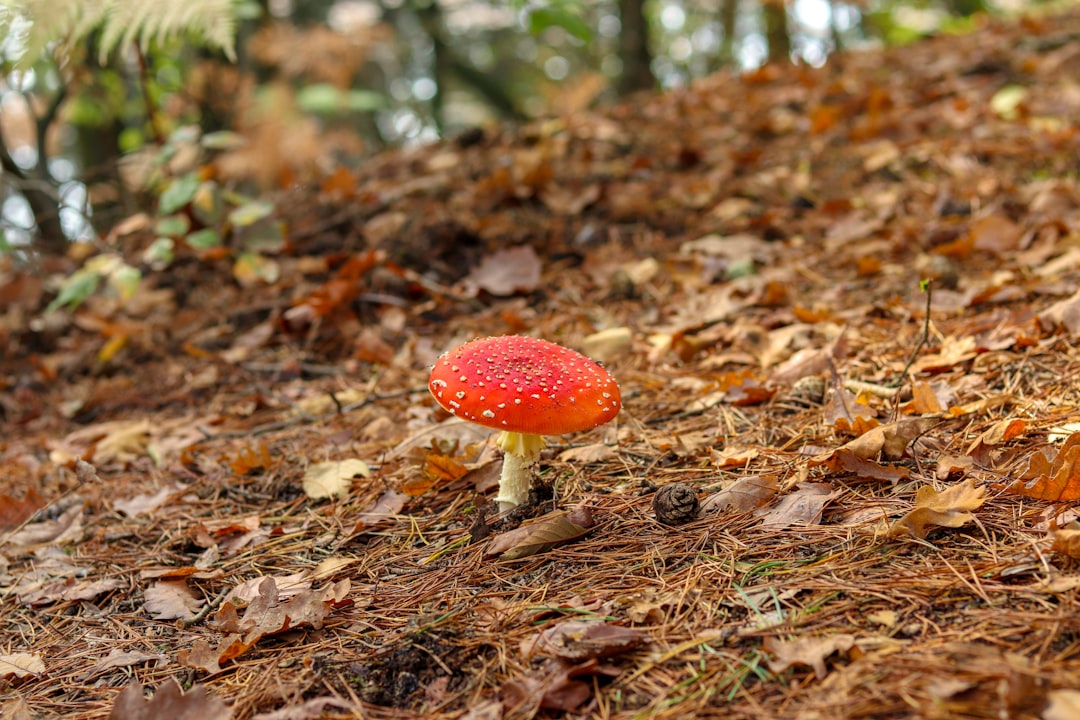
729, 15
634, 48
776, 30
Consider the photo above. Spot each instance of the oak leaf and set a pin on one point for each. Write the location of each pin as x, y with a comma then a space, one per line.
1057, 480
802, 507
949, 508
333, 479
810, 651
171, 600
20, 665
168, 702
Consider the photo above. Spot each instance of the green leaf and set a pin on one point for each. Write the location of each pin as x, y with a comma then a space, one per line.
160, 253
207, 204
540, 19
325, 99
250, 213
78, 286
178, 194
223, 140
364, 100
203, 239
125, 281
172, 226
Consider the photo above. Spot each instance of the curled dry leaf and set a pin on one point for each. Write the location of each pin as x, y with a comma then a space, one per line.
542, 535
748, 493
843, 460
949, 508
333, 479
802, 507
119, 659
810, 651
583, 640
1057, 480
1066, 542
15, 511
888, 440
171, 600
20, 665
168, 702
506, 272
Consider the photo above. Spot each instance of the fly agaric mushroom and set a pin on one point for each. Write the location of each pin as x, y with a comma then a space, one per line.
527, 388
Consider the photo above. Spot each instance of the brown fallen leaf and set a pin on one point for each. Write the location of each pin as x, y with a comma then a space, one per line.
168, 702
308, 710
264, 616
802, 507
843, 460
889, 440
334, 478
583, 640
389, 504
982, 448
1063, 314
950, 508
747, 493
1057, 480
146, 504
171, 600
542, 535
15, 511
1066, 542
1062, 705
120, 659
810, 651
506, 272
20, 665
596, 452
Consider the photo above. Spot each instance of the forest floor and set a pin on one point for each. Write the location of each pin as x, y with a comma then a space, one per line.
251, 492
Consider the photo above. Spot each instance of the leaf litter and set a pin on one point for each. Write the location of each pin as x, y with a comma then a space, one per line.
756, 243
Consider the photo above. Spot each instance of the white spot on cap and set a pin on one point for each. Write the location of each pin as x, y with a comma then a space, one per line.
488, 414
460, 394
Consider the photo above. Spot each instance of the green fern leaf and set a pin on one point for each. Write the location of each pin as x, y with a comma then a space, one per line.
122, 22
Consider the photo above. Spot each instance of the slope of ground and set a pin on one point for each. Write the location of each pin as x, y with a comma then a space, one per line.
886, 494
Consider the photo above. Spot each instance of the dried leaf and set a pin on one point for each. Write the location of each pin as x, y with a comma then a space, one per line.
540, 536
333, 479
1063, 314
596, 452
66, 528
14, 512
802, 507
583, 640
1066, 542
171, 600
389, 504
949, 508
844, 460
146, 504
810, 651
308, 710
746, 493
1063, 705
1057, 480
506, 272
889, 440
120, 659
20, 665
168, 702
731, 457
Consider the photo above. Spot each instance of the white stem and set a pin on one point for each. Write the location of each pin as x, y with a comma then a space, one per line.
520, 453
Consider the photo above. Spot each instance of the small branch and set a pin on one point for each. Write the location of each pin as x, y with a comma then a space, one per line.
144, 84
928, 289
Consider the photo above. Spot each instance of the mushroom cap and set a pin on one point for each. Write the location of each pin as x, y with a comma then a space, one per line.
524, 385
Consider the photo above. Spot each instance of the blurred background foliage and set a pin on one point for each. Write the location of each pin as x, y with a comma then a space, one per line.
111, 107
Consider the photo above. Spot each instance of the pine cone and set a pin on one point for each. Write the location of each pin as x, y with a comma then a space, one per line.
675, 504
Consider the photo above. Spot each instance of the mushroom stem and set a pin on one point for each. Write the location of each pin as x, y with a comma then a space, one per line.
520, 453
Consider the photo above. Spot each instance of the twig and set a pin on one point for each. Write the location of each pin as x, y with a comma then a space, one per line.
926, 288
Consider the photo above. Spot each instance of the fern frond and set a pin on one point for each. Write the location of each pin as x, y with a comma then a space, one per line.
157, 20
122, 22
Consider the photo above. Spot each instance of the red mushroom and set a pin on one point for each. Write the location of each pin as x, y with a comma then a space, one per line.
526, 388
